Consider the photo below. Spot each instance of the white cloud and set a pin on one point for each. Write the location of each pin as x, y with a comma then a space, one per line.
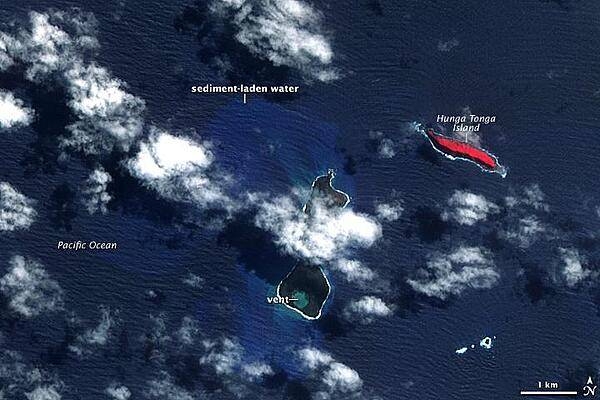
313, 358
389, 212
54, 48
43, 393
13, 112
97, 336
194, 281
341, 377
448, 45
181, 169
118, 392
29, 288
224, 355
532, 197
336, 376
353, 270
226, 358
527, 230
16, 210
165, 389
95, 192
256, 371
53, 41
6, 60
468, 208
188, 331
286, 32
386, 148
574, 270
325, 235
107, 115
451, 274
367, 308
20, 380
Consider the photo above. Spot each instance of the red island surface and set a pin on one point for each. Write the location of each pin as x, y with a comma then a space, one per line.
455, 149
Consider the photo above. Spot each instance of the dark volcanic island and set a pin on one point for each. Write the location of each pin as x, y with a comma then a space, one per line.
306, 286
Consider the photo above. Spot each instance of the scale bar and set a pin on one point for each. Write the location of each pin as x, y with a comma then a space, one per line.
548, 393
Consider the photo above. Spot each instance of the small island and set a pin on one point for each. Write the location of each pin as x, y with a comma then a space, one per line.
455, 149
306, 285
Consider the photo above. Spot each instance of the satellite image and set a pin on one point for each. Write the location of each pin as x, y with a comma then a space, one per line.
299, 199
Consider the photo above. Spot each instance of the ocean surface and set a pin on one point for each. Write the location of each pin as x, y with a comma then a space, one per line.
533, 64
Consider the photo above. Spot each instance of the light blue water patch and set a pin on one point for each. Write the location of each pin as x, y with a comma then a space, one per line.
270, 331
270, 148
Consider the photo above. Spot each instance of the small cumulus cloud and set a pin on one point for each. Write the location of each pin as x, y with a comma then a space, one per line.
107, 115
96, 197
13, 112
95, 337
325, 235
525, 231
181, 169
23, 381
188, 331
29, 289
532, 196
163, 388
118, 392
389, 212
55, 48
16, 210
353, 270
451, 274
448, 45
285, 32
574, 268
336, 377
366, 309
468, 208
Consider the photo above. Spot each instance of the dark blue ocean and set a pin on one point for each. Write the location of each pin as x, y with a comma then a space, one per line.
534, 64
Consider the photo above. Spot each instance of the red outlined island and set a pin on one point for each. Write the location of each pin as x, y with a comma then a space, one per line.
456, 149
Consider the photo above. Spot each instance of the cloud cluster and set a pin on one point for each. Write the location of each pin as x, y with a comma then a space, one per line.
97, 336
285, 32
386, 148
96, 197
336, 377
468, 208
16, 210
55, 48
532, 196
353, 270
181, 169
523, 224
325, 235
574, 270
107, 115
389, 211
366, 309
451, 274
188, 331
13, 112
118, 392
20, 380
164, 388
226, 358
29, 289
525, 231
